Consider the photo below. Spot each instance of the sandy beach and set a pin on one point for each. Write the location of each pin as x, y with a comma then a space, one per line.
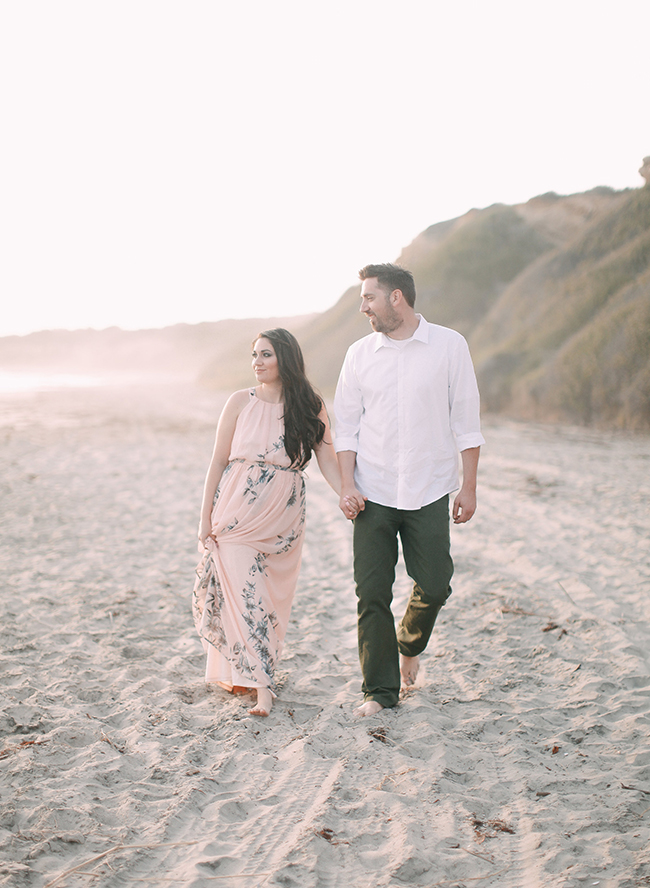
520, 759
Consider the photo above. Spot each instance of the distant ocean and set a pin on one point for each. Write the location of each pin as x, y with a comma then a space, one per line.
17, 382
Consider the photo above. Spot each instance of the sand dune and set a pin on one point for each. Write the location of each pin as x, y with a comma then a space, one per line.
521, 759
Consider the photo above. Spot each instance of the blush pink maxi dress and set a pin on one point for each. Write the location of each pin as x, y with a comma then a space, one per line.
247, 576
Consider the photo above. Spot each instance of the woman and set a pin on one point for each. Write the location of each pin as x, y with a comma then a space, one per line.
252, 517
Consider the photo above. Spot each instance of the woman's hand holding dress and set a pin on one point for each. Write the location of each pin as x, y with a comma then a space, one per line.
205, 529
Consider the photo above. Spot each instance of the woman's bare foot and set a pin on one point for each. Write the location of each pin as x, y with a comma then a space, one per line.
409, 667
264, 703
370, 707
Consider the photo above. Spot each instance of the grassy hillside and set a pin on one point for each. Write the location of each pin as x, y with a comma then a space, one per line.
460, 278
568, 339
601, 374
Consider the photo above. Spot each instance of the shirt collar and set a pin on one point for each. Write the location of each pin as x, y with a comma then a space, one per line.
421, 334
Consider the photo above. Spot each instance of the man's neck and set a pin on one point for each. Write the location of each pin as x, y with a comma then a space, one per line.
407, 328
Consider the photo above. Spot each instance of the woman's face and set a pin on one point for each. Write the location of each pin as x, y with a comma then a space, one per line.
265, 362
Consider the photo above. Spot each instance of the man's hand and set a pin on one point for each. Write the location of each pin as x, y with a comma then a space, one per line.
465, 502
464, 505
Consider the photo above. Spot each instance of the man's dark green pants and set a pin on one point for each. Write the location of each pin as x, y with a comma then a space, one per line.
425, 543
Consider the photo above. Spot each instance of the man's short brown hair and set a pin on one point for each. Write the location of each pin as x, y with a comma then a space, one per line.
391, 277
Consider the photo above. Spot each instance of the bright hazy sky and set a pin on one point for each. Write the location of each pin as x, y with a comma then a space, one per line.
191, 160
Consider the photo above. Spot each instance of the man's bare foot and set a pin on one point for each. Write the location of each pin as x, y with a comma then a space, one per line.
409, 668
239, 689
370, 707
264, 703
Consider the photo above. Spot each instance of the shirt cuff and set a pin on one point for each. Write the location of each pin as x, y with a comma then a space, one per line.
346, 444
474, 439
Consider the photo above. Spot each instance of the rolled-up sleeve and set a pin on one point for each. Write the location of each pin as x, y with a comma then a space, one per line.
348, 407
464, 400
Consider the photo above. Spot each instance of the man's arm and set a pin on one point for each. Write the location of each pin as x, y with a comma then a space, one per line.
465, 502
351, 501
348, 407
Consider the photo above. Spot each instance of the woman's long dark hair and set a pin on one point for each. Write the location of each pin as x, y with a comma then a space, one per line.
303, 429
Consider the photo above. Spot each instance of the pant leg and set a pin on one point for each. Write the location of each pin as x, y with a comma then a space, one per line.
375, 556
425, 543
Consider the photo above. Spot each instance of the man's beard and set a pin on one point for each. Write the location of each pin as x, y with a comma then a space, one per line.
389, 321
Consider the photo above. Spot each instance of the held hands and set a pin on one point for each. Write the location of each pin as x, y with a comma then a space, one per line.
352, 502
464, 505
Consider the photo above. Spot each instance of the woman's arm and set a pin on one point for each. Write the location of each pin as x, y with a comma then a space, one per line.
326, 456
330, 469
220, 454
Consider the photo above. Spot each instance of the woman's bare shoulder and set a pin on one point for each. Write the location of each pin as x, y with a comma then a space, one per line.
240, 398
235, 404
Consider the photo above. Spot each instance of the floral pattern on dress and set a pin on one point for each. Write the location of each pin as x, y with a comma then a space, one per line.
275, 448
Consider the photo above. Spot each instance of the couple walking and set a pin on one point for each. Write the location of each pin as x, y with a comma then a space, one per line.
406, 403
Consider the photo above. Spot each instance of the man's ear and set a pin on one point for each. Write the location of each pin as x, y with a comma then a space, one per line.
395, 296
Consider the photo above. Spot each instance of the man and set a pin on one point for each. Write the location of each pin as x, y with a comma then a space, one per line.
406, 403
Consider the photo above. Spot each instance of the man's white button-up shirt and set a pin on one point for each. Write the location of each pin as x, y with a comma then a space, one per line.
407, 407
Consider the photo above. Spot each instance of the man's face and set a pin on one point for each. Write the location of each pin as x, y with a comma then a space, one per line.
376, 306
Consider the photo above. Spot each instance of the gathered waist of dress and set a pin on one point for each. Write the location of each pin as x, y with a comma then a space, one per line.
263, 464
